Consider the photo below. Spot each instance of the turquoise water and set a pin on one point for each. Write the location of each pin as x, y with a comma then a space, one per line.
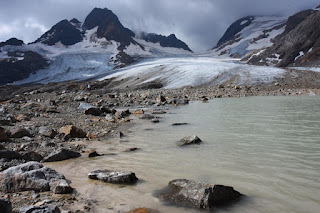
265, 147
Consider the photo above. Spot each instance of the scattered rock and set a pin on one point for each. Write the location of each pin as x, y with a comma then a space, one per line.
19, 133
179, 124
85, 106
10, 155
60, 155
60, 187
147, 116
131, 149
27, 177
138, 112
93, 154
40, 209
155, 120
199, 195
158, 112
72, 132
93, 111
47, 132
114, 177
5, 206
122, 114
79, 98
190, 140
161, 99
3, 135
32, 156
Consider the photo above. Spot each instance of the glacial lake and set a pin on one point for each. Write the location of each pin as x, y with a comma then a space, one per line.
267, 148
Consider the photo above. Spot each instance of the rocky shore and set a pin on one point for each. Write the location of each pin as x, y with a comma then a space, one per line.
55, 122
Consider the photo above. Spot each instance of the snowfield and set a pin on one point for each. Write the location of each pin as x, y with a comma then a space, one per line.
194, 71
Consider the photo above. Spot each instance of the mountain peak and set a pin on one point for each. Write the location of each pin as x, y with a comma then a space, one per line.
109, 26
12, 42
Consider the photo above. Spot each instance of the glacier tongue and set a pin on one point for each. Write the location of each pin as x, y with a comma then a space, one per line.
194, 71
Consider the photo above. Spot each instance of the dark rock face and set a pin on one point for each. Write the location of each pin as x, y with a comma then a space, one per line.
40, 209
64, 31
60, 155
165, 41
5, 206
302, 36
12, 42
30, 176
109, 27
13, 69
234, 29
199, 195
114, 177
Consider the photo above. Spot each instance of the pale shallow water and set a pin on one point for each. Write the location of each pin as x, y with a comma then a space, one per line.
265, 147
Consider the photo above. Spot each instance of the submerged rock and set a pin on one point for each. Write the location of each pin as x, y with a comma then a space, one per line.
123, 177
60, 155
147, 117
190, 140
199, 195
31, 176
179, 124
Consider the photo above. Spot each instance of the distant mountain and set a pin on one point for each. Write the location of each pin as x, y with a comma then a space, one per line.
164, 41
273, 41
248, 34
298, 45
64, 32
72, 50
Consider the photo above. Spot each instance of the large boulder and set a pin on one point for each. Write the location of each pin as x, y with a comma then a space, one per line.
72, 132
60, 155
190, 140
31, 176
19, 133
3, 135
199, 195
143, 210
47, 132
93, 111
113, 176
40, 209
5, 206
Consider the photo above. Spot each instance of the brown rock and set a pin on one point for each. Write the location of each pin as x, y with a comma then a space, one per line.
138, 112
143, 210
3, 135
72, 132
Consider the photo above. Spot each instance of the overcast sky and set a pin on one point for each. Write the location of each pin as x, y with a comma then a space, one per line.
200, 23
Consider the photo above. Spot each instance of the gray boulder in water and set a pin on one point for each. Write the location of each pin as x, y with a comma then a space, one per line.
199, 195
190, 140
114, 177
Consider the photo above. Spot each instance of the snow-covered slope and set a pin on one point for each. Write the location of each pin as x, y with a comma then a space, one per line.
194, 71
249, 34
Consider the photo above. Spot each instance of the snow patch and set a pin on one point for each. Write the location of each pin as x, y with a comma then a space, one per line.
244, 22
301, 53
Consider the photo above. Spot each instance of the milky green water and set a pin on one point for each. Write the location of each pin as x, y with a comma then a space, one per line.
265, 147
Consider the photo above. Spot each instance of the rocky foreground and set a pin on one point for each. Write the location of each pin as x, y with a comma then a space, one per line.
55, 122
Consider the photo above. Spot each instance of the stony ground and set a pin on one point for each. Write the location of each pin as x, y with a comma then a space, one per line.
38, 120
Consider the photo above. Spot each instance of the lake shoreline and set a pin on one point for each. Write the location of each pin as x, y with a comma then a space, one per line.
57, 105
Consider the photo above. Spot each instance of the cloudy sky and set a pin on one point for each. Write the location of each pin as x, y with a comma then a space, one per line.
200, 23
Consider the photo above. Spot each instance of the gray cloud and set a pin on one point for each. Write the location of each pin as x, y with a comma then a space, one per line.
200, 23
